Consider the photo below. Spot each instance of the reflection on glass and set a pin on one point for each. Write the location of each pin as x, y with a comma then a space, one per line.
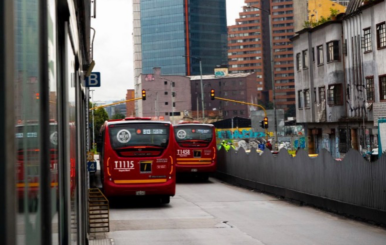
72, 139
27, 120
54, 147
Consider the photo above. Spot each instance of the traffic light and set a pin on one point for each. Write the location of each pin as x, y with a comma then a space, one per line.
143, 94
37, 96
212, 94
265, 122
262, 124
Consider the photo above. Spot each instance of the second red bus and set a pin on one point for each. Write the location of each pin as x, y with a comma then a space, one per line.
195, 148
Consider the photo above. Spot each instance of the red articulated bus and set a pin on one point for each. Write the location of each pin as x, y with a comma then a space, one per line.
27, 144
195, 148
137, 158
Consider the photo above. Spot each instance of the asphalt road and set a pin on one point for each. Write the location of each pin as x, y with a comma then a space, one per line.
215, 213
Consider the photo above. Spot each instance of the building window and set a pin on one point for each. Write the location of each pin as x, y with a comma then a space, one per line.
165, 82
322, 94
234, 112
313, 55
225, 93
241, 112
298, 62
166, 93
320, 55
307, 98
335, 95
382, 87
166, 103
367, 40
381, 35
333, 51
305, 59
300, 99
370, 88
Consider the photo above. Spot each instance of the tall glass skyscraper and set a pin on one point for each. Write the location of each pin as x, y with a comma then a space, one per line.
175, 34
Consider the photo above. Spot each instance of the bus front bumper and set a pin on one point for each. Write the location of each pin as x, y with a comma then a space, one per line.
139, 187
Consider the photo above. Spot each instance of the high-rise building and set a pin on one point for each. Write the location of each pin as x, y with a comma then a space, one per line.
176, 34
250, 49
246, 51
282, 30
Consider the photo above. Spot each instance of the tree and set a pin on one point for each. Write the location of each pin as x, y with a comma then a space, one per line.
118, 116
100, 116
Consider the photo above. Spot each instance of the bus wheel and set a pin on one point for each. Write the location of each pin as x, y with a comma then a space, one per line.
205, 177
165, 199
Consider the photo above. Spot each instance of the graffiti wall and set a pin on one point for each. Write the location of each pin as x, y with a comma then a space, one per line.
245, 138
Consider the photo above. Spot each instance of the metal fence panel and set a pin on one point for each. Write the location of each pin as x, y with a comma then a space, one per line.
352, 181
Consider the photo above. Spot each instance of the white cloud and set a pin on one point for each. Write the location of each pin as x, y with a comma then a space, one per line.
113, 45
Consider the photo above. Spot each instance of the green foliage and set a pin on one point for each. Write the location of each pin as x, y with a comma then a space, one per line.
334, 12
100, 116
312, 24
118, 116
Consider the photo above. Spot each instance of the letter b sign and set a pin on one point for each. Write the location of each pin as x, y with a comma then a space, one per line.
94, 80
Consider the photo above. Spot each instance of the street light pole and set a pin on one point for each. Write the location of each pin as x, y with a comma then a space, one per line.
272, 75
202, 86
93, 121
172, 85
202, 94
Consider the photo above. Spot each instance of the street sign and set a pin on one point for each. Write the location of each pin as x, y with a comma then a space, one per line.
94, 80
90, 156
91, 167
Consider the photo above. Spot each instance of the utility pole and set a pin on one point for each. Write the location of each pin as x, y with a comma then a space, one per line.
202, 86
172, 85
197, 108
272, 75
202, 94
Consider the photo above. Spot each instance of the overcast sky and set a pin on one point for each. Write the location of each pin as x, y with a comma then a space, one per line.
113, 46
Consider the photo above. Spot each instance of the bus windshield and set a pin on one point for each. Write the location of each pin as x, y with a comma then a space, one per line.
193, 133
139, 134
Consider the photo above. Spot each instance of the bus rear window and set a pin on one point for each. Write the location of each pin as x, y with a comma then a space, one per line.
27, 136
190, 133
135, 134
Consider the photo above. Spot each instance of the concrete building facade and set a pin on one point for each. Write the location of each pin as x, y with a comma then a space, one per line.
341, 79
168, 97
240, 86
314, 10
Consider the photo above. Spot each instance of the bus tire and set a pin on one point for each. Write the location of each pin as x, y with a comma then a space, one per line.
165, 199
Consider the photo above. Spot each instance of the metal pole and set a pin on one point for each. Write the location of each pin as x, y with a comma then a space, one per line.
272, 75
172, 84
93, 121
197, 108
202, 94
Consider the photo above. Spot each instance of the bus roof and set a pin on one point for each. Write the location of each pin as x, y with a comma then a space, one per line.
123, 121
194, 124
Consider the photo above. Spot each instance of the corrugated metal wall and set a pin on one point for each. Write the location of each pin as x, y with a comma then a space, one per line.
352, 181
